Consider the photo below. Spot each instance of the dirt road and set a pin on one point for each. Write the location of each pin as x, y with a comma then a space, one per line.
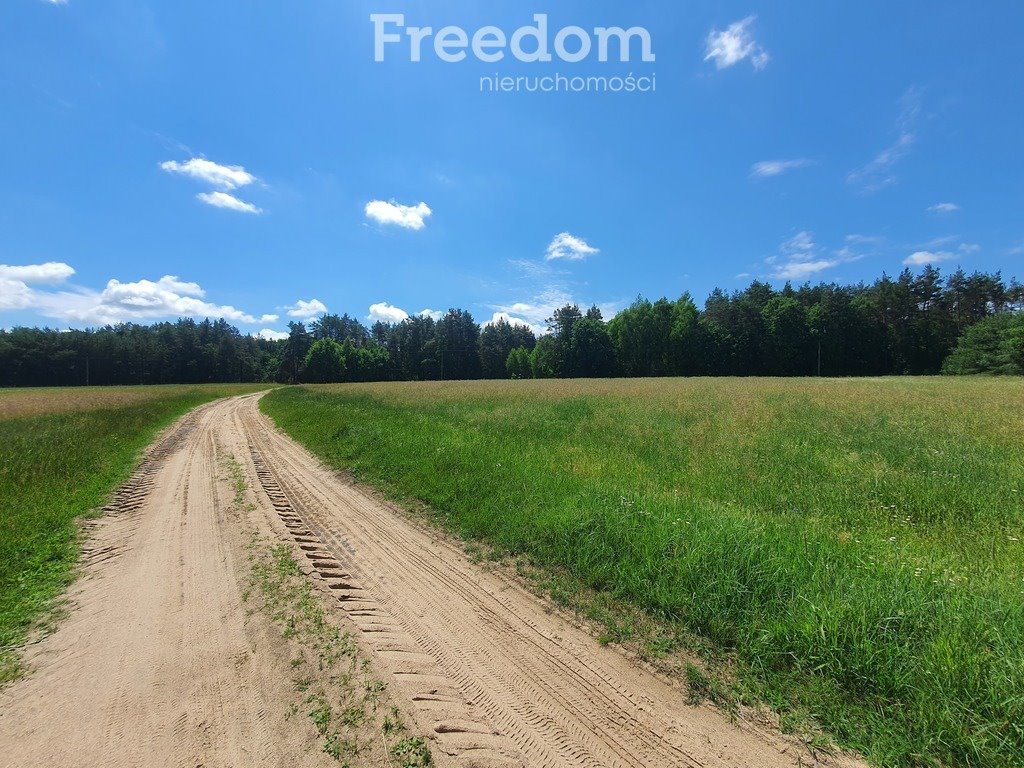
157, 663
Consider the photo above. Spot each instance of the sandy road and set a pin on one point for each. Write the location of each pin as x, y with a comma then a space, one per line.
157, 665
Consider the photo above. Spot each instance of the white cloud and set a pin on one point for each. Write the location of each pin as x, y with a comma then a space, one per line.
271, 335
944, 208
768, 168
391, 213
382, 312
168, 297
734, 44
878, 174
306, 310
14, 294
226, 177
535, 311
15, 280
511, 320
433, 314
920, 258
50, 273
569, 247
224, 200
969, 247
269, 318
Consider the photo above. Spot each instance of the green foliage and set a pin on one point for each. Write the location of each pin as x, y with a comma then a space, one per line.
184, 352
497, 341
517, 365
325, 363
545, 358
906, 325
994, 345
856, 544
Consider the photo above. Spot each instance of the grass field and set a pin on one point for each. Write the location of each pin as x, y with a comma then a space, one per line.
62, 451
855, 545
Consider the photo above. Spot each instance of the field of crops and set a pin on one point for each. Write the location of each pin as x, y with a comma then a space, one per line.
855, 544
62, 451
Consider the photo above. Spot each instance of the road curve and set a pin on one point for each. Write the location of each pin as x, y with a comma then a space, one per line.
156, 664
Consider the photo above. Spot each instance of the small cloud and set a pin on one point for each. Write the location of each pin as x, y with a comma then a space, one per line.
801, 270
569, 247
734, 44
405, 216
271, 335
306, 310
537, 329
269, 318
944, 208
230, 202
969, 248
383, 312
225, 177
768, 168
921, 258
433, 314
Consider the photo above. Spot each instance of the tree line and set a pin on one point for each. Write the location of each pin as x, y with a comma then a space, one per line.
911, 324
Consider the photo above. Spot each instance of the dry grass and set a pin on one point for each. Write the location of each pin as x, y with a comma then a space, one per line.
19, 403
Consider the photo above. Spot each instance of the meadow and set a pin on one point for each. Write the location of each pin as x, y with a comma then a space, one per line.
62, 452
851, 547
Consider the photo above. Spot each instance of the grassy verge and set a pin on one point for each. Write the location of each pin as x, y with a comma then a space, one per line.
62, 452
854, 546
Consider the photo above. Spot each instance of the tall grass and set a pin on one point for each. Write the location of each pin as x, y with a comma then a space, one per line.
62, 451
855, 544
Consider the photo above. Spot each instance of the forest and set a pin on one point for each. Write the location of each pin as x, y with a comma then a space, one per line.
909, 325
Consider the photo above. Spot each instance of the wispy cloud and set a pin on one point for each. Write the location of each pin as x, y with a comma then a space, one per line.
944, 208
230, 202
800, 258
878, 174
768, 168
226, 177
393, 214
569, 247
734, 44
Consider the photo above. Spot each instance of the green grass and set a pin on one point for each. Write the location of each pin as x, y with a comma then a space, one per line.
62, 452
854, 545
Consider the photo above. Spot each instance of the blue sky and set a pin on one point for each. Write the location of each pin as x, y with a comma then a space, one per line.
253, 160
